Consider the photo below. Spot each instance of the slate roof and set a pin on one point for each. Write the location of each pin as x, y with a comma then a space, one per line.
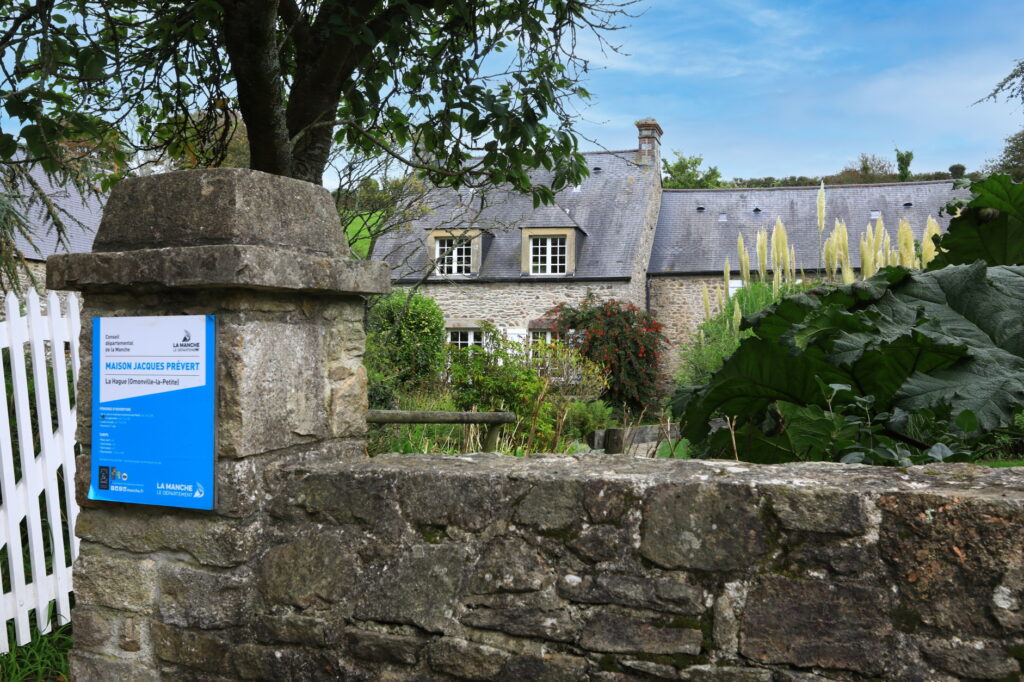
87, 211
692, 241
609, 208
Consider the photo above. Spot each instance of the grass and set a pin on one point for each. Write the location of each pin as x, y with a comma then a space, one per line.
44, 659
1004, 463
679, 450
358, 234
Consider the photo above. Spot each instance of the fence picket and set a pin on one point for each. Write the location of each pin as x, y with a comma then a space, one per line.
74, 327
66, 418
20, 603
38, 471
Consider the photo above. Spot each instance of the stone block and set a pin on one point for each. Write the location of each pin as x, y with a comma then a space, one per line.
726, 673
270, 398
220, 206
418, 588
956, 559
385, 647
650, 669
130, 635
814, 623
550, 505
318, 630
198, 268
192, 649
87, 667
716, 527
672, 593
524, 621
94, 627
600, 543
509, 564
450, 498
622, 634
195, 597
125, 584
546, 668
819, 510
466, 660
210, 540
322, 493
312, 572
606, 501
973, 660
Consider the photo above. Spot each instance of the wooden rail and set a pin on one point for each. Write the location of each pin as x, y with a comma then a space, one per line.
494, 420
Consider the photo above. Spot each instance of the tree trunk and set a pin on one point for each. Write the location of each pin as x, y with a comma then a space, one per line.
249, 38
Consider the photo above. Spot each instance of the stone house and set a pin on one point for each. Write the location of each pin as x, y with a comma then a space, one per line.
620, 235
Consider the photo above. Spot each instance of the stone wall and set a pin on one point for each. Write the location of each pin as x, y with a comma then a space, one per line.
677, 301
516, 304
487, 567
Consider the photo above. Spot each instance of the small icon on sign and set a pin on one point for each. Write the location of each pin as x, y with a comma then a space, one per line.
104, 478
200, 491
188, 336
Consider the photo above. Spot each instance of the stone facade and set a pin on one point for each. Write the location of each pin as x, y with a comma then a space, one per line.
677, 301
608, 568
513, 305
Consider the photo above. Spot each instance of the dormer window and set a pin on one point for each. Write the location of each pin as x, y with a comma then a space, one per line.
455, 252
453, 256
908, 204
757, 210
548, 255
700, 209
548, 251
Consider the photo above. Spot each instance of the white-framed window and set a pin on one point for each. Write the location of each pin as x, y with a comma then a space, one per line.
548, 255
464, 338
734, 286
544, 336
453, 256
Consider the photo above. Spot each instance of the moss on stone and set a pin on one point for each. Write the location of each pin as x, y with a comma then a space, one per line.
435, 535
609, 663
906, 619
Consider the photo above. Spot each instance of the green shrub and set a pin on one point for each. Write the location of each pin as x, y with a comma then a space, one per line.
625, 340
583, 418
406, 339
496, 377
717, 338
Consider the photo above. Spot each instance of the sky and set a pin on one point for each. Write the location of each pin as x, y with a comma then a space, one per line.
801, 88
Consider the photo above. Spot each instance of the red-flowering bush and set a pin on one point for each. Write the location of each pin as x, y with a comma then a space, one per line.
627, 341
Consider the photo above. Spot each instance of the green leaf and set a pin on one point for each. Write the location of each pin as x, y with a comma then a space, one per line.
990, 229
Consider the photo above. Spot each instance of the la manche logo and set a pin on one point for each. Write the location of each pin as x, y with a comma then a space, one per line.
186, 343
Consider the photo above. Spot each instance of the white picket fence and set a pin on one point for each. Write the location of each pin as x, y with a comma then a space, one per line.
37, 483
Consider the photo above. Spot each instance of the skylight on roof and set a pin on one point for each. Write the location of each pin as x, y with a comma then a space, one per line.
875, 214
723, 217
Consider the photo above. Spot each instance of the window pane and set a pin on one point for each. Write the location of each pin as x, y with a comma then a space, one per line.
453, 256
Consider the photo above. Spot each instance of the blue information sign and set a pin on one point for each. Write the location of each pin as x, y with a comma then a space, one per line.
153, 410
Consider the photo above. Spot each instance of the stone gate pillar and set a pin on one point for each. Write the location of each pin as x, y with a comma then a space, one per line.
157, 588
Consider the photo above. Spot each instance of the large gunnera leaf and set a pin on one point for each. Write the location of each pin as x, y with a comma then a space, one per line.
953, 337
989, 229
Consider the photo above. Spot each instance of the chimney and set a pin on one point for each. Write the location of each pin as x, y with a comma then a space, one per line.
649, 133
